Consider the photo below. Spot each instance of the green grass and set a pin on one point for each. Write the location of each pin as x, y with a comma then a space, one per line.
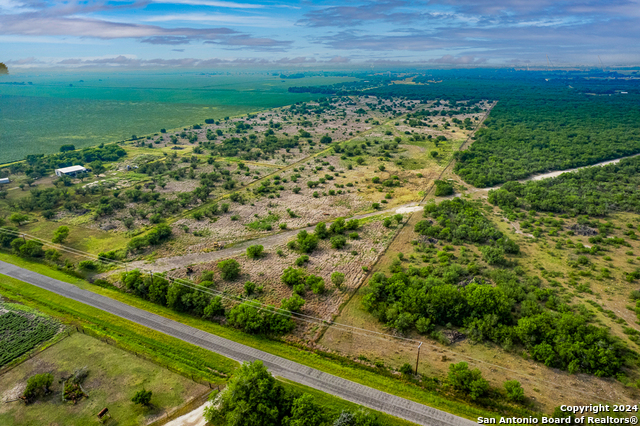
114, 377
337, 367
106, 107
337, 405
265, 223
159, 348
90, 240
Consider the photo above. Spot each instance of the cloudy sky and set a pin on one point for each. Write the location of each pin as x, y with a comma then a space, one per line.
190, 33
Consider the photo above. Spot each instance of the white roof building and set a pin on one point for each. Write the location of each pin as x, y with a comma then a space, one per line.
70, 171
4, 181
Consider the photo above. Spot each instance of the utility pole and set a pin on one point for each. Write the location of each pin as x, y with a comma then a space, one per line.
418, 358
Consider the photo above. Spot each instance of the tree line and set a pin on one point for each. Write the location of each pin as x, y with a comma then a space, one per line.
501, 305
594, 191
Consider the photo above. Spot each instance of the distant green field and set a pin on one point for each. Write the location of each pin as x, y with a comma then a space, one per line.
89, 108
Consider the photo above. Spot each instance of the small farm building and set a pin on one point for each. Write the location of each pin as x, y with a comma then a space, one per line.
70, 171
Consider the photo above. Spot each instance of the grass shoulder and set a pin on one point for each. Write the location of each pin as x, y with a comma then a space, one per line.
334, 366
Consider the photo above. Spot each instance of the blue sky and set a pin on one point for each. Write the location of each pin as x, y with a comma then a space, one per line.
217, 33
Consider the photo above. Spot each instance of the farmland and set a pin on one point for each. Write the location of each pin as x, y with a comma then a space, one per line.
206, 188
21, 330
89, 108
277, 223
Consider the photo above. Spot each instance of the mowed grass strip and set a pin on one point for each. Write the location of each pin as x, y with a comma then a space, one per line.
114, 376
333, 365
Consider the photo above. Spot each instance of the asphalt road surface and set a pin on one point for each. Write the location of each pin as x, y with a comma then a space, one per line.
345, 389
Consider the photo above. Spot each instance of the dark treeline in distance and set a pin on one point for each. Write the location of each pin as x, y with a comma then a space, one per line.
594, 191
543, 121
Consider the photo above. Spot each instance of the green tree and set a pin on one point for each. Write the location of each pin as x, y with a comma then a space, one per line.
514, 390
321, 231
338, 242
305, 412
293, 276
252, 397
67, 148
315, 283
255, 251
142, 397
37, 385
467, 381
443, 188
215, 308
293, 304
229, 269
337, 278
307, 242
18, 218
60, 235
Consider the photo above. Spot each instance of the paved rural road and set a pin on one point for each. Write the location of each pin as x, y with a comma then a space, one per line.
281, 367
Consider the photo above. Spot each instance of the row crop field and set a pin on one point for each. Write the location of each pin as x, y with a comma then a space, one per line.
22, 330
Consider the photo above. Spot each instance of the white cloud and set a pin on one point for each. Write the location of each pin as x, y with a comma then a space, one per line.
221, 18
213, 3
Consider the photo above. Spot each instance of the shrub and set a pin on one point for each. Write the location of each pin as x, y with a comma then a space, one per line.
352, 224
37, 385
60, 235
307, 242
87, 265
321, 231
493, 255
467, 381
142, 397
337, 278
230, 269
514, 390
249, 287
386, 222
315, 283
406, 369
424, 325
292, 276
301, 260
443, 188
338, 242
255, 251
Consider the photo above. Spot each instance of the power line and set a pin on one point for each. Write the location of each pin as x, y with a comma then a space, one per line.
286, 313
213, 292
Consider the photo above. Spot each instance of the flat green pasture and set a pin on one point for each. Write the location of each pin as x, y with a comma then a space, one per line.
90, 108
